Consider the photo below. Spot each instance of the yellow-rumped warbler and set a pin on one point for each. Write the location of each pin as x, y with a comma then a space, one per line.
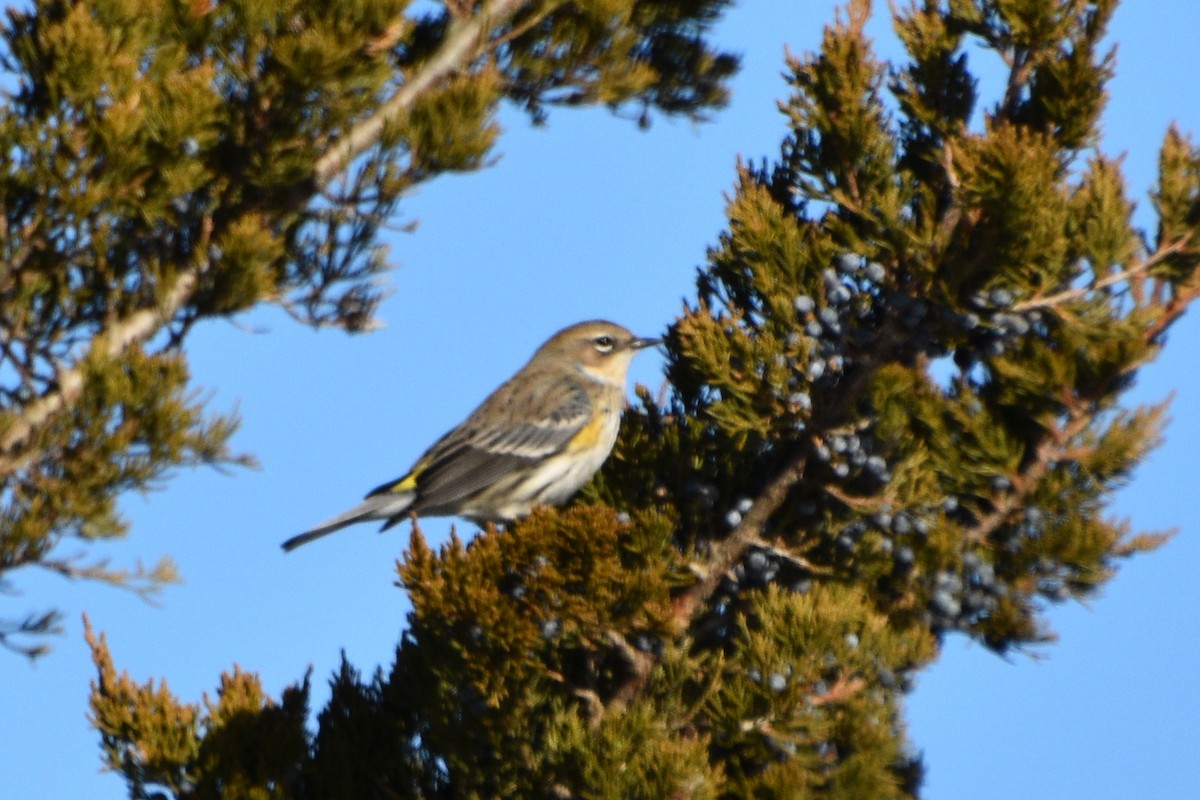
535, 440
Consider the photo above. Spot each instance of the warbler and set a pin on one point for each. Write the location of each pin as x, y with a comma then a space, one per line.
535, 440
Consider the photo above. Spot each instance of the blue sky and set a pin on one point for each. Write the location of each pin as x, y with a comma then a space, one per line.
590, 218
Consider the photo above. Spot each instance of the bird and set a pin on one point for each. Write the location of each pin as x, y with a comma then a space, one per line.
536, 440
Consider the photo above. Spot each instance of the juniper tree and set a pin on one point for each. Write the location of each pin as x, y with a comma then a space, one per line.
168, 163
895, 414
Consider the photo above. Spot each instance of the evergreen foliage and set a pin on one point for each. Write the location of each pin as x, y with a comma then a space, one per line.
895, 414
172, 162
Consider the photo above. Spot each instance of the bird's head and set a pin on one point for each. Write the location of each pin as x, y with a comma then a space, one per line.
599, 349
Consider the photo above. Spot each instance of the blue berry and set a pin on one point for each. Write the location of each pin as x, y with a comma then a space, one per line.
1001, 297
777, 682
645, 643
706, 493
801, 400
945, 604
757, 561
877, 466
848, 263
804, 304
949, 581
876, 272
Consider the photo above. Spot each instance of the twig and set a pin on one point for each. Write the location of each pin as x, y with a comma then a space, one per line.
840, 692
460, 46
1074, 294
457, 50
595, 706
639, 662
730, 549
800, 562
137, 327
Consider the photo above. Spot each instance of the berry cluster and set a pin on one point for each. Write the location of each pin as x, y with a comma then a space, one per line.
859, 314
837, 329
992, 327
848, 455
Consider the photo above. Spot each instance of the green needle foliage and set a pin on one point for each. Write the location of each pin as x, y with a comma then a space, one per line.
896, 414
170, 162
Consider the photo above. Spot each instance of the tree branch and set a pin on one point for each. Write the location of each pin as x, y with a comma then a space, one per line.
137, 327
730, 549
460, 46
1149, 263
457, 50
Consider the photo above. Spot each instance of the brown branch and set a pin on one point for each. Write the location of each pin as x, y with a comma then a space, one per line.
460, 46
137, 327
1068, 295
730, 549
840, 692
800, 562
458, 49
1048, 450
1173, 309
640, 663
590, 699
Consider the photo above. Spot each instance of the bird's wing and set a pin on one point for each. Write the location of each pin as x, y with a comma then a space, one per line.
511, 429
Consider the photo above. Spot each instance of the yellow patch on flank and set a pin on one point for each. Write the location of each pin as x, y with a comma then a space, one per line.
589, 435
408, 483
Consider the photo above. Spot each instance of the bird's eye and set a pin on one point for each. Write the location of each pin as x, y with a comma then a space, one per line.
604, 343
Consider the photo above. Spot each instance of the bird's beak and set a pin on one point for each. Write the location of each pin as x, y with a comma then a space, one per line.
641, 344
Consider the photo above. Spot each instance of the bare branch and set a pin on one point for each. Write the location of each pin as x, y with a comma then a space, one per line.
458, 49
730, 549
1067, 296
137, 327
460, 46
640, 665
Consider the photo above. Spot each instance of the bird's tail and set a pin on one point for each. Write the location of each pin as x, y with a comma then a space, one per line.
379, 506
